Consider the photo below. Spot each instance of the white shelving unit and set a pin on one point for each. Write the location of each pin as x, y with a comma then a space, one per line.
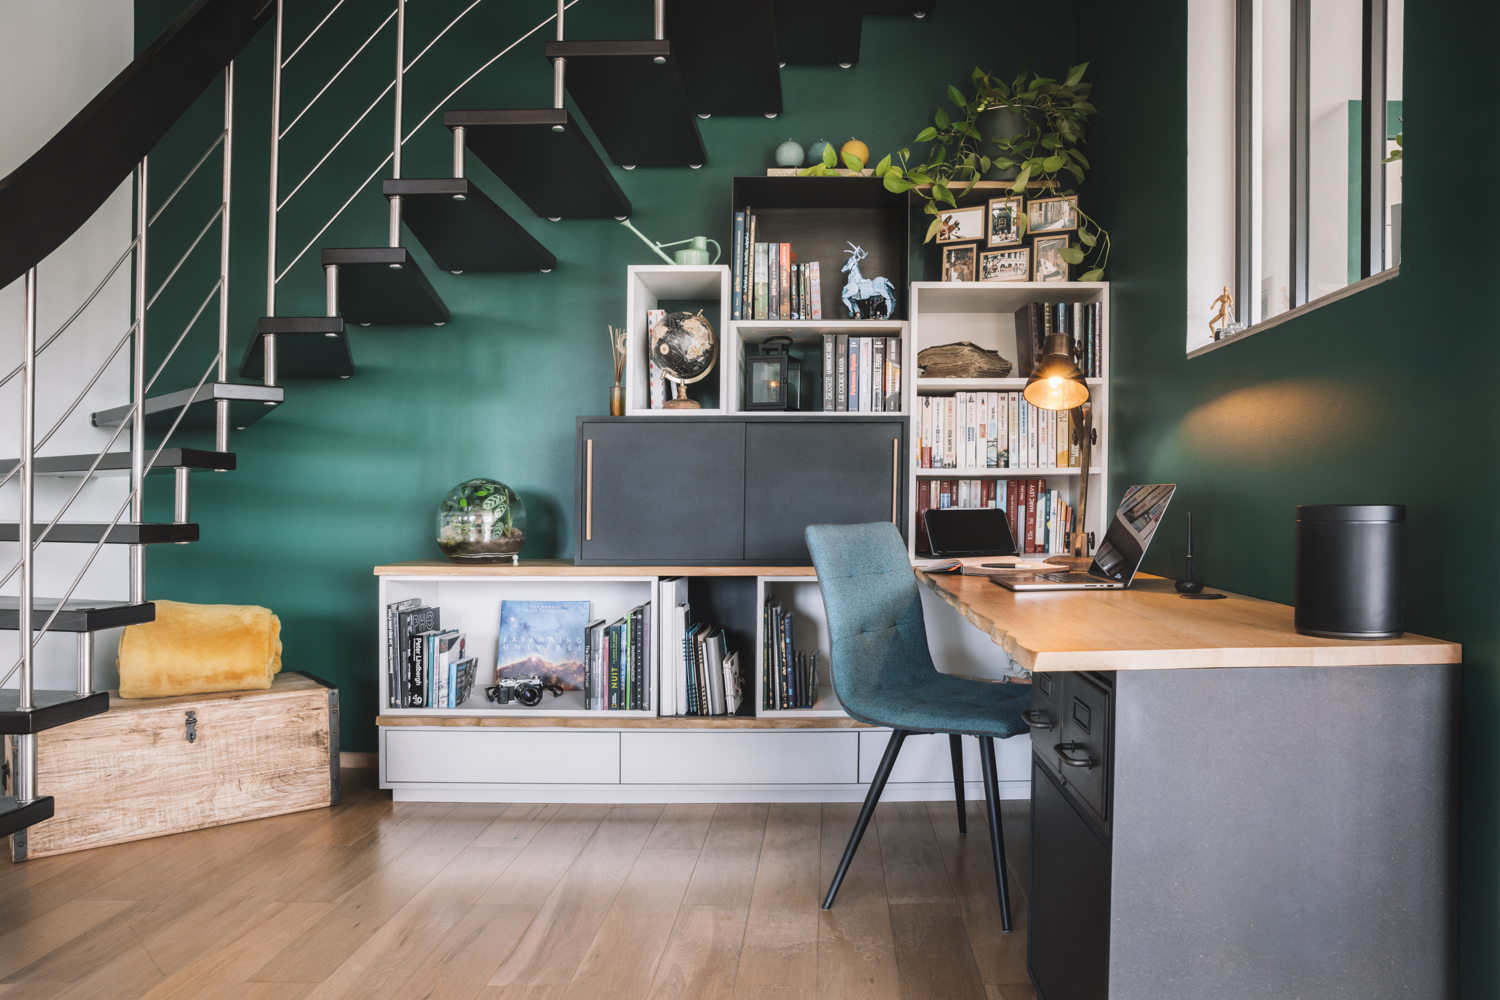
645, 286
808, 334
983, 313
804, 599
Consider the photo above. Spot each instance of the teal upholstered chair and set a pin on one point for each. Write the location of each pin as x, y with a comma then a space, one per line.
883, 673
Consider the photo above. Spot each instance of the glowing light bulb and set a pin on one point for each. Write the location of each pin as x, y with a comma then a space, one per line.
1055, 383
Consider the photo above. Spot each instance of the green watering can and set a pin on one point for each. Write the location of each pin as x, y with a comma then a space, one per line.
695, 254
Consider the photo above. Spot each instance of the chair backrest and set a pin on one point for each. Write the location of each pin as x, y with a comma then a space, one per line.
874, 615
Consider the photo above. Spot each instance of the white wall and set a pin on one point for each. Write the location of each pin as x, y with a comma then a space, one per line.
55, 56
1210, 146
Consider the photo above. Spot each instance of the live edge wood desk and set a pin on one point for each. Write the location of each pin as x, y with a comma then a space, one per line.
1225, 809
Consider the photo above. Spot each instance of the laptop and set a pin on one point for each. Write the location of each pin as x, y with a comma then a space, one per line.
1118, 559
955, 532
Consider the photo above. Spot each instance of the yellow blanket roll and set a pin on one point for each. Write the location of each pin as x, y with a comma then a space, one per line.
198, 649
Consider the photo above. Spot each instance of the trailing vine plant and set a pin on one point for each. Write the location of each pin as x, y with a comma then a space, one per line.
1046, 153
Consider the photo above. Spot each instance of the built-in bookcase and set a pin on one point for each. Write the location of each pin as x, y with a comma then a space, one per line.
746, 336
983, 313
803, 598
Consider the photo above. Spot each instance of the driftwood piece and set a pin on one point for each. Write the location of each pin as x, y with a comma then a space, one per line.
962, 360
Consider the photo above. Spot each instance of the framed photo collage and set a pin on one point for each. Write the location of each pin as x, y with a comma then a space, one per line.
988, 243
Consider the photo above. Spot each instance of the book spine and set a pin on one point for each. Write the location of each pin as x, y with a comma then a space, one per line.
613, 691
1098, 340
924, 431
867, 374
877, 373
841, 361
893, 365
392, 684
796, 291
638, 652
588, 668
816, 290
738, 261
747, 292
762, 289
785, 299
950, 433
856, 363
829, 377
924, 501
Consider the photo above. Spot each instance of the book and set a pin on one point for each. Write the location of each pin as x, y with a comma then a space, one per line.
856, 373
924, 425
893, 375
830, 390
462, 680
747, 309
418, 685
542, 638
1031, 322
785, 277
841, 360
877, 374
950, 434
591, 663
866, 374
924, 502
393, 651
762, 288
408, 625
737, 267
444, 650
713, 662
733, 684
815, 290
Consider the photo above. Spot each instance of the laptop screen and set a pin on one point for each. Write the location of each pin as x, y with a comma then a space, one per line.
981, 531
1137, 519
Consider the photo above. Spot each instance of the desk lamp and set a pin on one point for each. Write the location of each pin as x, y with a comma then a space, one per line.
1057, 384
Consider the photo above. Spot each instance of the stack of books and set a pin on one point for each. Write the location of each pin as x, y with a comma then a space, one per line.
993, 430
791, 675
426, 665
1040, 519
767, 281
861, 374
700, 675
1084, 321
617, 675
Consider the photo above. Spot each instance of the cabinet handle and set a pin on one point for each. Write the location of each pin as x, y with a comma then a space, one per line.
1062, 752
895, 475
588, 495
1033, 718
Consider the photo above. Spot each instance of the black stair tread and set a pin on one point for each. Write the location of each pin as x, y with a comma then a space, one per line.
899, 6
117, 463
463, 229
50, 710
306, 347
77, 615
15, 817
572, 181
384, 285
124, 533
825, 32
726, 53
638, 108
247, 404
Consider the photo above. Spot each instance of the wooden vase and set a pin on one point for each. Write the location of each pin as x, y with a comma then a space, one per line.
617, 401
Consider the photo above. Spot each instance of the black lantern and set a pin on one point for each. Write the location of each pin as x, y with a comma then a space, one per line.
773, 377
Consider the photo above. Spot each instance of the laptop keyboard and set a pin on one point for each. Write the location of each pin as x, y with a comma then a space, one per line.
1067, 578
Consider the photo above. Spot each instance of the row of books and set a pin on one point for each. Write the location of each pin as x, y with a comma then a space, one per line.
861, 374
616, 663
426, 665
993, 430
1083, 320
791, 675
766, 279
700, 675
1040, 519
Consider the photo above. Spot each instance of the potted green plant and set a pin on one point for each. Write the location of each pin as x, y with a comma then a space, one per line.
1046, 121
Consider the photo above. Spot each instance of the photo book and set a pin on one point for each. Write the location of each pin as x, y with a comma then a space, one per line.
543, 639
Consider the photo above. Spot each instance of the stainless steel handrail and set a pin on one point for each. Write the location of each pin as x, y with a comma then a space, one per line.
336, 145
340, 72
186, 254
311, 33
183, 183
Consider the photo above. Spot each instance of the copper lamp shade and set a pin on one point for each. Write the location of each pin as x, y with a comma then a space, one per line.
1057, 384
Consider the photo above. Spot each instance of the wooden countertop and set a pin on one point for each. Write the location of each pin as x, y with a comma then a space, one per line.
566, 567
603, 720
1150, 627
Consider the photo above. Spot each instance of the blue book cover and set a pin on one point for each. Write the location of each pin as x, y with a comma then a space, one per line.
737, 291
543, 638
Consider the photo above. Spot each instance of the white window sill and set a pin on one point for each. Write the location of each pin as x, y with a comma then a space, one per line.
1303, 310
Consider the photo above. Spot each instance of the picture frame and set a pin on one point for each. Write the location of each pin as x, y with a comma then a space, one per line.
1003, 221
1012, 264
1052, 215
960, 262
961, 225
1049, 265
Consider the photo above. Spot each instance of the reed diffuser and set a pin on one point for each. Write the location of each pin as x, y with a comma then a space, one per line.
617, 350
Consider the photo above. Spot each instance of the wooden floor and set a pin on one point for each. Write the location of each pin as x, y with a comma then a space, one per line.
376, 899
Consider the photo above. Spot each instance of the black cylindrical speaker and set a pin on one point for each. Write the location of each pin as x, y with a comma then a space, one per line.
1351, 569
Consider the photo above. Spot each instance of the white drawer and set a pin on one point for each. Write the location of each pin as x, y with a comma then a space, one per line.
925, 757
739, 758
500, 756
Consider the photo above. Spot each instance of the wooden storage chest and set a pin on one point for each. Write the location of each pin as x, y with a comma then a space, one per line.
150, 767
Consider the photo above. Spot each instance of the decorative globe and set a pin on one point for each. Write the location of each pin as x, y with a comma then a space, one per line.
815, 151
789, 154
481, 521
684, 346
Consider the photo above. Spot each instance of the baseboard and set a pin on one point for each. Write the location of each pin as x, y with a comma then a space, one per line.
348, 759
915, 791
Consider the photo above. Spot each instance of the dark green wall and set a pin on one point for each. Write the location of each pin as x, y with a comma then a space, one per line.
1362, 401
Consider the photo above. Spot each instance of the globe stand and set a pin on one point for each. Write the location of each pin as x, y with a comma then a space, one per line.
680, 401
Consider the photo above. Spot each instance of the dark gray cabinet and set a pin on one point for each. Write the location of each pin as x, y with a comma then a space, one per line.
715, 490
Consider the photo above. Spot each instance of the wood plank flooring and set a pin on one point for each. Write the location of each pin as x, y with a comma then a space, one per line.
375, 900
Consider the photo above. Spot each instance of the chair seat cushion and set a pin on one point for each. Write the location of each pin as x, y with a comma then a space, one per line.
942, 703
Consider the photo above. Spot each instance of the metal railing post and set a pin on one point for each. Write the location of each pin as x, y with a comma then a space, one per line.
221, 408
85, 664
180, 495
138, 385
25, 746
558, 65
460, 137
395, 233
269, 340
331, 289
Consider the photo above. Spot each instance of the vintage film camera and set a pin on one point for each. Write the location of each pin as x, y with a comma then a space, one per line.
526, 690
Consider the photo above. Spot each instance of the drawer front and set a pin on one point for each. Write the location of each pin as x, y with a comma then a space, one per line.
1045, 719
483, 756
739, 758
1085, 712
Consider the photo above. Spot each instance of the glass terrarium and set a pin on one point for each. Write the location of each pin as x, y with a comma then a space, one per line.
481, 521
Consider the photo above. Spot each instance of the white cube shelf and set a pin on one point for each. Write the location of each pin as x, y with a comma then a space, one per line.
645, 286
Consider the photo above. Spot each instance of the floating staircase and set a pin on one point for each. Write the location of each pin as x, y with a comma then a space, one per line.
75, 616
574, 182
632, 96
384, 285
117, 463
306, 347
92, 532
726, 55
463, 230
247, 404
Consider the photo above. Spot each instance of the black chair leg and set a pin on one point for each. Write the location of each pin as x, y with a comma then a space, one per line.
876, 787
956, 748
997, 836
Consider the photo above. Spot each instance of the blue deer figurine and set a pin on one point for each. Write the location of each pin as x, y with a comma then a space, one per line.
866, 298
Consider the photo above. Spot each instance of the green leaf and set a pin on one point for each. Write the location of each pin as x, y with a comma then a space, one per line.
1082, 160
1075, 75
1019, 186
896, 185
884, 166
1054, 163
813, 171
1075, 171
919, 177
984, 164
1022, 221
955, 95
1084, 107
940, 192
942, 118
853, 162
1087, 238
1072, 255
932, 230
1051, 141
926, 135
1003, 162
1097, 274
895, 172
830, 158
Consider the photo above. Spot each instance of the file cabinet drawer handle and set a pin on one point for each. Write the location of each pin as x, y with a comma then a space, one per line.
1033, 718
1062, 752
